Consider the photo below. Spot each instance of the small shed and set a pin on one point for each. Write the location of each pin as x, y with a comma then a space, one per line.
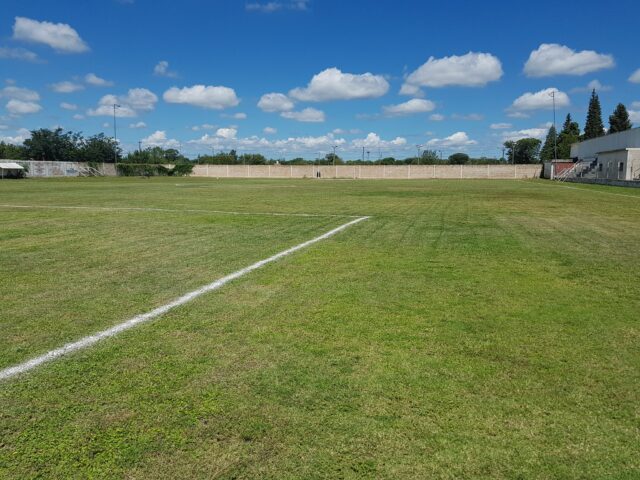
11, 170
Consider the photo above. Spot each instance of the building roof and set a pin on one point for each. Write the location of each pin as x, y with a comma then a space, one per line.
11, 166
607, 143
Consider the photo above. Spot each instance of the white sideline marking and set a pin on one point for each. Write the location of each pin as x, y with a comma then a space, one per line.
584, 189
151, 209
145, 317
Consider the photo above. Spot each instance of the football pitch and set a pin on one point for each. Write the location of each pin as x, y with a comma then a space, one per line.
324, 329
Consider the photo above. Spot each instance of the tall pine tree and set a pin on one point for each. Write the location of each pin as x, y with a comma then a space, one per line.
569, 134
619, 120
594, 127
548, 151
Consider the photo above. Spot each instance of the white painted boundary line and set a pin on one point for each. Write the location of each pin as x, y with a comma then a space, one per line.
171, 210
591, 190
145, 317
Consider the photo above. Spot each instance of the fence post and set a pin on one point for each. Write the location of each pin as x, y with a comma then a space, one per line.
460, 172
409, 172
488, 173
384, 171
515, 171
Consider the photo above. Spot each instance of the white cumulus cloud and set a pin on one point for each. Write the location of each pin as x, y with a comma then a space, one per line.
19, 93
159, 139
274, 6
18, 54
635, 77
500, 126
592, 85
436, 117
456, 140
59, 36
470, 70
542, 100
130, 105
162, 70
18, 139
309, 115
275, 102
20, 107
215, 98
373, 140
270, 131
537, 132
227, 133
413, 106
138, 125
554, 59
66, 87
333, 84
96, 81
68, 106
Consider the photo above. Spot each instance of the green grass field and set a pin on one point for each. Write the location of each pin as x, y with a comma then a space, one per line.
468, 329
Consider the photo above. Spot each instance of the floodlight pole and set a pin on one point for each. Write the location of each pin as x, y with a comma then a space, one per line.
418, 147
334, 154
555, 132
115, 138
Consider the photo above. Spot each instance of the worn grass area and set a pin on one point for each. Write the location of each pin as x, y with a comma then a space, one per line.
468, 329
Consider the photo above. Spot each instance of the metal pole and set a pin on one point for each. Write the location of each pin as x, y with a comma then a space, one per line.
555, 136
115, 138
334, 154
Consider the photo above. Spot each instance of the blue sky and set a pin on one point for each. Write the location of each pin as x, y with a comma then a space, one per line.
293, 78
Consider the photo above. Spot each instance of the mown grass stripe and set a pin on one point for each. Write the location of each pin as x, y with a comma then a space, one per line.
145, 317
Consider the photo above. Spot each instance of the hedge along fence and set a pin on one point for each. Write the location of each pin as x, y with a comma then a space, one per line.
154, 170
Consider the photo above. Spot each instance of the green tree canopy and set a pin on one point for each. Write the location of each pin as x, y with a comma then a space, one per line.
619, 120
525, 150
569, 135
548, 151
458, 159
594, 127
8, 151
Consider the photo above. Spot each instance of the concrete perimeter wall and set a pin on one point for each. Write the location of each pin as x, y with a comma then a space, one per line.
40, 169
369, 171
74, 169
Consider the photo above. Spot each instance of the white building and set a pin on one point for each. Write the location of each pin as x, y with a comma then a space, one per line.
615, 156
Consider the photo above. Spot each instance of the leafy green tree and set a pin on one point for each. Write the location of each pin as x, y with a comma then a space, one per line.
594, 127
619, 120
569, 135
99, 149
548, 151
333, 159
525, 150
9, 151
458, 159
429, 157
54, 145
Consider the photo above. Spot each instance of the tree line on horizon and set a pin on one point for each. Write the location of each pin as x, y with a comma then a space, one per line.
558, 146
58, 145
